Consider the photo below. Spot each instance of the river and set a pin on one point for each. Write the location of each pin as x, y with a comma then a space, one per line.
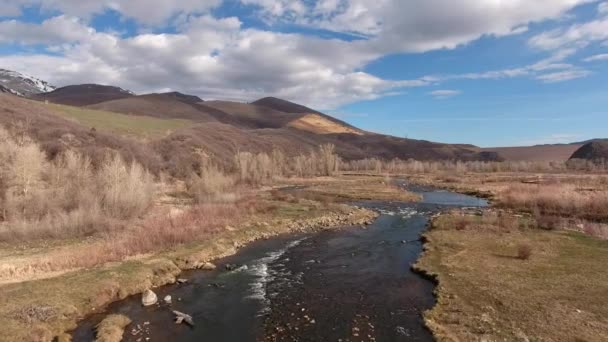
349, 284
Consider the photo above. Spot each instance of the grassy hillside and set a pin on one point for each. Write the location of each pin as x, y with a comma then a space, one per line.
137, 126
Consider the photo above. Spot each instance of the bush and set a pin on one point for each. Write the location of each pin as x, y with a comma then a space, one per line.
210, 183
127, 189
524, 252
65, 197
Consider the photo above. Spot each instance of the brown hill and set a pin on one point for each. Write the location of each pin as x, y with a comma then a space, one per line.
254, 116
83, 94
166, 105
595, 150
322, 120
283, 105
56, 134
535, 153
216, 129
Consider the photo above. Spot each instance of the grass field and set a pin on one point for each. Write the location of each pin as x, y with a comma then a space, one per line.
136, 126
501, 279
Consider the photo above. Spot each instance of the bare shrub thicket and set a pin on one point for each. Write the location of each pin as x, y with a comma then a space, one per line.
210, 183
67, 196
451, 166
260, 168
556, 200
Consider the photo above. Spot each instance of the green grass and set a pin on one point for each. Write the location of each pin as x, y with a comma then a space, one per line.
132, 125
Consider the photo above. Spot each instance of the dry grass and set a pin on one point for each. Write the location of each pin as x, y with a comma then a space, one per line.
565, 200
137, 126
66, 197
112, 328
211, 184
486, 292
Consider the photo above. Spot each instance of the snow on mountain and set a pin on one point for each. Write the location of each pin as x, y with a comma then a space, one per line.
22, 85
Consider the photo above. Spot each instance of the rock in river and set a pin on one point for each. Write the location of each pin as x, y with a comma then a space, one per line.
149, 298
208, 266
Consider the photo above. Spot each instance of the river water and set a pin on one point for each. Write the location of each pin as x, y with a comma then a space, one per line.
349, 284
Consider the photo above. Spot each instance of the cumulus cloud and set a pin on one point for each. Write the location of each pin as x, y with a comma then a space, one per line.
444, 94
56, 30
219, 58
417, 26
143, 11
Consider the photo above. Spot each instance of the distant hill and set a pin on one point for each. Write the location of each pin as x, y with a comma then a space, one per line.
164, 105
595, 150
22, 85
179, 127
83, 94
535, 153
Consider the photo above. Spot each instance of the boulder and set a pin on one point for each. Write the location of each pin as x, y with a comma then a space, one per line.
148, 298
208, 266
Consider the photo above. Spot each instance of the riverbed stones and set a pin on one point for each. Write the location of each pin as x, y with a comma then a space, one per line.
181, 317
207, 266
148, 298
167, 299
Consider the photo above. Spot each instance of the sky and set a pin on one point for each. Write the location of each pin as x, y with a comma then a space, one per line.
484, 72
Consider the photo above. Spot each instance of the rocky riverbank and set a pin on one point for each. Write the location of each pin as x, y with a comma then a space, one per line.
77, 294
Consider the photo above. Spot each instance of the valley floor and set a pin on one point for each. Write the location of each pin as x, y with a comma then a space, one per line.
530, 270
531, 267
45, 287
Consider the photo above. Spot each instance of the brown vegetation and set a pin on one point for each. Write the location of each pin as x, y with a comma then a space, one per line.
486, 292
66, 196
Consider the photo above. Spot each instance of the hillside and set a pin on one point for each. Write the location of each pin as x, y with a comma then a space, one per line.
595, 150
285, 106
83, 94
559, 152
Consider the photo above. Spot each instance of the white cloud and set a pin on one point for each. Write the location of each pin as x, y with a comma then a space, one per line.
144, 11
561, 76
218, 58
602, 8
416, 26
444, 93
576, 36
595, 58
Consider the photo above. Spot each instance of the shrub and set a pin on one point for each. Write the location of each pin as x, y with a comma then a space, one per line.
524, 251
66, 196
127, 189
210, 183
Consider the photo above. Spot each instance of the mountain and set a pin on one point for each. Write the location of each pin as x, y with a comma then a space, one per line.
595, 150
22, 85
83, 94
214, 128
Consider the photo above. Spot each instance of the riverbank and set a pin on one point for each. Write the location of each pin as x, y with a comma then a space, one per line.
43, 309
500, 277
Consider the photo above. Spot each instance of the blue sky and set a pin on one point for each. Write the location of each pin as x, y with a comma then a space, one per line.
484, 72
